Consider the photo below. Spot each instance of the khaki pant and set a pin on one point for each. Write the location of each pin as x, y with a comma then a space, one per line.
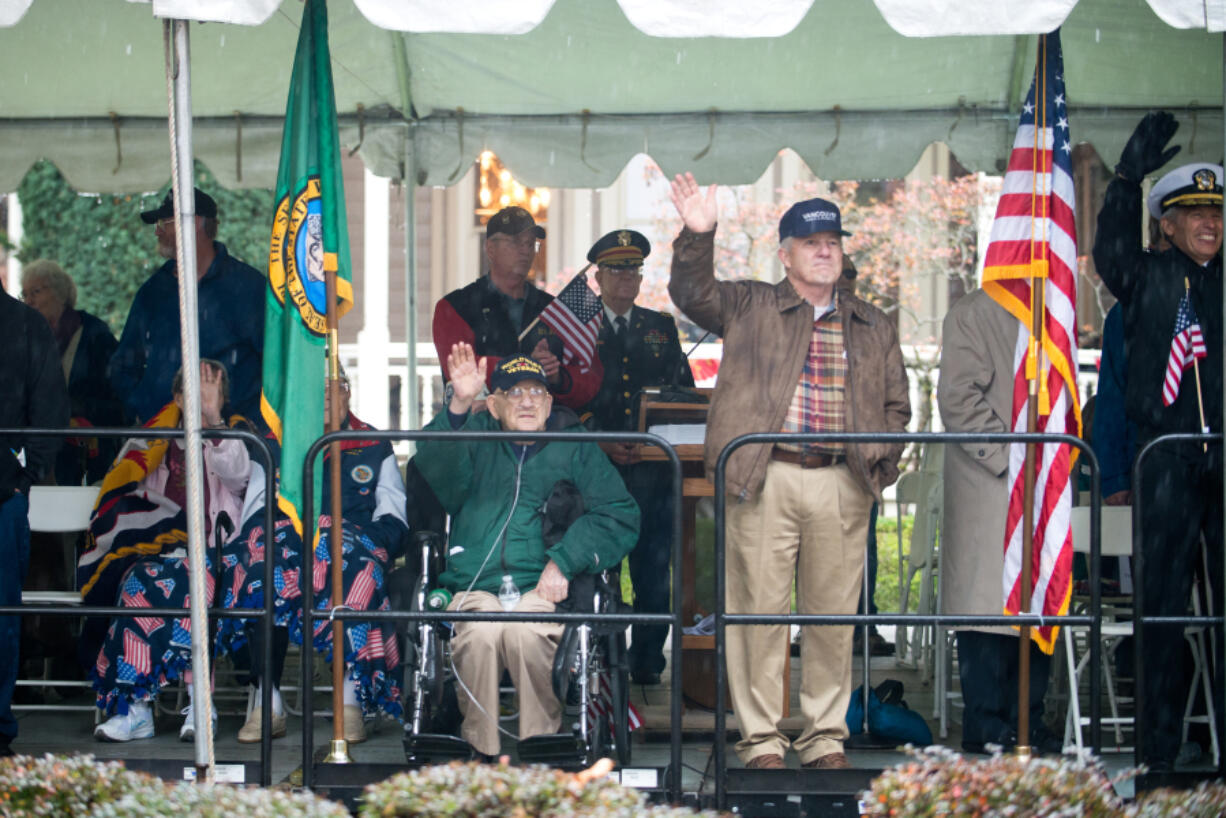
810, 524
482, 650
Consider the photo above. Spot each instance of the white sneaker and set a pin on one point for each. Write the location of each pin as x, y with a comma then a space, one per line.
138, 723
188, 731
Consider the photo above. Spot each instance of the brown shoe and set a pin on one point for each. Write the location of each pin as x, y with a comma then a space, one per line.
766, 761
830, 761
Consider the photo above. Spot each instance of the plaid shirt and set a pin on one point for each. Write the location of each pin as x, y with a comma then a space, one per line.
817, 404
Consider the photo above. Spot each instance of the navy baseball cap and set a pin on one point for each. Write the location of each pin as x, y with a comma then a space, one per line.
809, 217
515, 368
205, 206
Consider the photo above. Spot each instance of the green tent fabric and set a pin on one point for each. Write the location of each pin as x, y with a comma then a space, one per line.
570, 101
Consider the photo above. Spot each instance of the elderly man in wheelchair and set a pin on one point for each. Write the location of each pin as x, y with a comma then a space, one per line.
504, 553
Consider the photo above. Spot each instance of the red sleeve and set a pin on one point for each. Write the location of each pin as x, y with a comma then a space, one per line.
583, 384
450, 329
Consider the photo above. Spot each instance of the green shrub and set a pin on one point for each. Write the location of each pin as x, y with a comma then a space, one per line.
481, 790
72, 786
938, 781
1208, 800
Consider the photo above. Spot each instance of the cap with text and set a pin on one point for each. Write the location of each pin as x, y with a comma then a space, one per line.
516, 369
809, 217
511, 221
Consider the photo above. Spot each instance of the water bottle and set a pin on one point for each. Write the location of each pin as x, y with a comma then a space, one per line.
508, 593
438, 599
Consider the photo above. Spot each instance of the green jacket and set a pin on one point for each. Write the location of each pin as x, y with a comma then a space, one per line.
476, 483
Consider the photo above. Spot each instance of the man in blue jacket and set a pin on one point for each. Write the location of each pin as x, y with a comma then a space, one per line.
497, 559
230, 304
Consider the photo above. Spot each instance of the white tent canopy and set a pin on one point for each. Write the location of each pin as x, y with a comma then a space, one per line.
856, 87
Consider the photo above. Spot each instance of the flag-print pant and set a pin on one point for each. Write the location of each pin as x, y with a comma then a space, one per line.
372, 654
141, 654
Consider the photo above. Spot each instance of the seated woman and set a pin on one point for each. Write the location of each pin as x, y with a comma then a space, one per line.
138, 557
375, 534
86, 345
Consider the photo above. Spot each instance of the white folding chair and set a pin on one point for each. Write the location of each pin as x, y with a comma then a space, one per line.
1195, 635
924, 490
1116, 541
58, 510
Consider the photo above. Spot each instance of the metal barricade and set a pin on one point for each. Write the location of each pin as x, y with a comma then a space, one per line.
1138, 562
265, 614
723, 618
673, 619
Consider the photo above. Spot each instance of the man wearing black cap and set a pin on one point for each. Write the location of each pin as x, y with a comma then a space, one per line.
1181, 484
230, 302
497, 556
497, 313
800, 356
638, 348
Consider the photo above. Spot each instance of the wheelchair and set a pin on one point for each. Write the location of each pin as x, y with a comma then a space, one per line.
590, 677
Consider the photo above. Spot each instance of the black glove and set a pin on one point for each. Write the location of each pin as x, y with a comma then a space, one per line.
1144, 152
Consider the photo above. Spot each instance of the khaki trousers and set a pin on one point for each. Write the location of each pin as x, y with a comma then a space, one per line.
482, 650
811, 525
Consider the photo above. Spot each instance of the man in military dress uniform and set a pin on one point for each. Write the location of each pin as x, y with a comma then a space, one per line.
495, 310
1181, 484
638, 348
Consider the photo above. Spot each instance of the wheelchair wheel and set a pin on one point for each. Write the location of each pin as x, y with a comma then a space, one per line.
619, 697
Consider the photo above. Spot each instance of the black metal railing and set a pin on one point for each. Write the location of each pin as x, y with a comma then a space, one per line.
265, 614
723, 618
673, 619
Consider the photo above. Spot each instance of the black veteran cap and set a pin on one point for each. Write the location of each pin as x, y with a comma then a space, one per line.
809, 217
205, 206
621, 248
1187, 186
514, 369
512, 221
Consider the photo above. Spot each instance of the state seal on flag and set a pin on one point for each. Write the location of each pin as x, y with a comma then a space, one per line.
297, 260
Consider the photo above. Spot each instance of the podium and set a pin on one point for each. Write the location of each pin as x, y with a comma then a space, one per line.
698, 666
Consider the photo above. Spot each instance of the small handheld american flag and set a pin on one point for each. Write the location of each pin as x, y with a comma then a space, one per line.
573, 314
1187, 344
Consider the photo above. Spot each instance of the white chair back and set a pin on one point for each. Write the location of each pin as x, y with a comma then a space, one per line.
1116, 534
61, 508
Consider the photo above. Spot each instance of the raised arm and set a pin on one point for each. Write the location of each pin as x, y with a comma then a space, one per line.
1118, 251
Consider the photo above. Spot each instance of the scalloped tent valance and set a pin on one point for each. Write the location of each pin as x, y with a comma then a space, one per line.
567, 91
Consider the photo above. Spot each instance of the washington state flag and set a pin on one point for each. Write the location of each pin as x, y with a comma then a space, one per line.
309, 241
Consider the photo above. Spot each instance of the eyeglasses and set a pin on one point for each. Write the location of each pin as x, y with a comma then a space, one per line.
623, 273
526, 243
518, 393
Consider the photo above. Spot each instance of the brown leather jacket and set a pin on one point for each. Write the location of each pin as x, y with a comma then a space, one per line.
766, 330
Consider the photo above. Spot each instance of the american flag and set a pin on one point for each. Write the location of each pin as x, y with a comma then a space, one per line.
362, 589
136, 653
1187, 344
1034, 241
602, 704
573, 314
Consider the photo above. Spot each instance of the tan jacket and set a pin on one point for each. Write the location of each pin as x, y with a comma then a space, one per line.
766, 330
975, 394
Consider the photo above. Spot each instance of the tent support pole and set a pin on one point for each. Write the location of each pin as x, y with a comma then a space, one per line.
411, 392
178, 79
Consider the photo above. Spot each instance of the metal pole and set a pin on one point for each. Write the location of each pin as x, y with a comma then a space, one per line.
1221, 635
178, 77
410, 291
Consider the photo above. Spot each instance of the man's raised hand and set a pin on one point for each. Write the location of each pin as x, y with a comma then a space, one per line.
467, 377
698, 210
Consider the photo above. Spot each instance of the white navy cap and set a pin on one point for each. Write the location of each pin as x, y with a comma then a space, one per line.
1187, 186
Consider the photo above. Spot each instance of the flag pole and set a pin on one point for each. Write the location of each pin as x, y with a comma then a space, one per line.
1200, 398
528, 328
1034, 374
339, 753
